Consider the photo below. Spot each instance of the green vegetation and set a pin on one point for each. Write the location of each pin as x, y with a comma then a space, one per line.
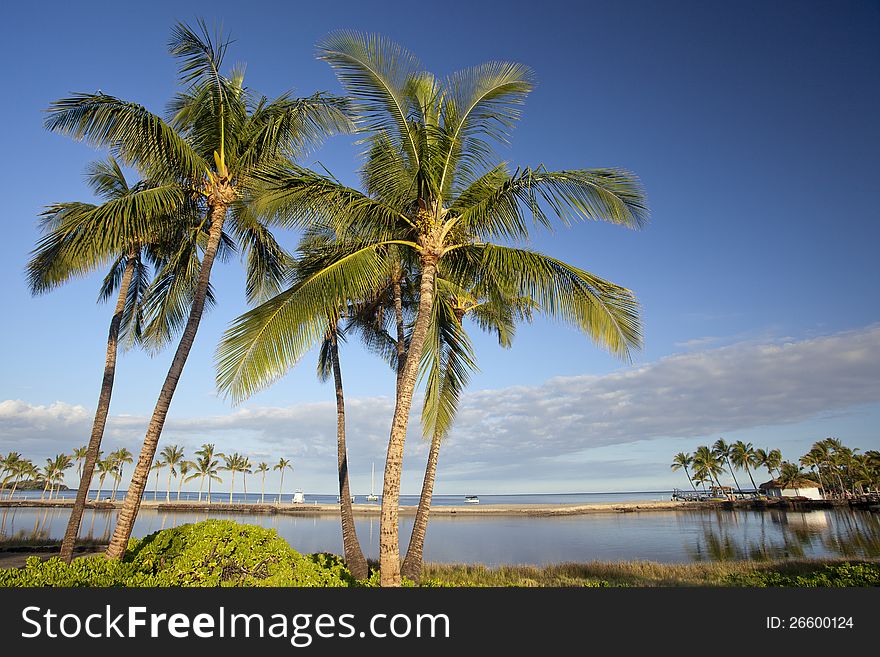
210, 553
839, 470
651, 574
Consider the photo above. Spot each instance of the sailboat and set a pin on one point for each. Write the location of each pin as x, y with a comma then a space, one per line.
372, 497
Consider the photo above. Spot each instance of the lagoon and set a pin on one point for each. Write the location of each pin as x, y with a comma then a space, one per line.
678, 536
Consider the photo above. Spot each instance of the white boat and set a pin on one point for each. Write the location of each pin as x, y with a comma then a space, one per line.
339, 499
471, 499
298, 497
372, 497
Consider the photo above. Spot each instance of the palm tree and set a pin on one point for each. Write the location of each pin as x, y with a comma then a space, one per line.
683, 460
790, 476
120, 457
172, 455
218, 136
774, 461
104, 467
77, 241
8, 468
158, 464
79, 455
263, 468
244, 467
282, 465
432, 191
722, 451
60, 463
184, 469
449, 353
742, 455
235, 463
22, 469
707, 465
207, 466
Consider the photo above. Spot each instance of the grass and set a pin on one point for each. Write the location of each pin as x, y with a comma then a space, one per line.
628, 573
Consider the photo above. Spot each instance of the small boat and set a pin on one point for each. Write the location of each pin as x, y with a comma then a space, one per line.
298, 497
471, 499
339, 499
372, 497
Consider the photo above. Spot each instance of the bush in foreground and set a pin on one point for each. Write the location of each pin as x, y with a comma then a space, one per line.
210, 553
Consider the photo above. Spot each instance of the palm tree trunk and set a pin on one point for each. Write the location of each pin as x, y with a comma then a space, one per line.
156, 486
398, 320
693, 485
263, 490
354, 555
752, 479
168, 489
130, 508
179, 486
231, 486
281, 486
729, 467
412, 563
201, 486
389, 545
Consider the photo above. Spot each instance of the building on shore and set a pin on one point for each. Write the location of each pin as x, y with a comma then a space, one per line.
799, 488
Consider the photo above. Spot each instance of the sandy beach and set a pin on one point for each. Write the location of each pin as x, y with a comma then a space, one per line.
535, 510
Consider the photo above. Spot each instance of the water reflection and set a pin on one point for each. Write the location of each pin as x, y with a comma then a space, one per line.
736, 535
667, 536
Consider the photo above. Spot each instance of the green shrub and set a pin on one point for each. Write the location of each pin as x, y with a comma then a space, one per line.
210, 553
830, 575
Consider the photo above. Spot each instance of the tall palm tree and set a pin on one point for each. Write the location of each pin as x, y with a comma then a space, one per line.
60, 464
683, 461
232, 462
158, 464
218, 136
22, 469
75, 243
742, 455
173, 456
207, 467
433, 190
707, 464
8, 468
184, 469
104, 467
263, 468
722, 451
245, 467
120, 457
282, 465
79, 455
449, 359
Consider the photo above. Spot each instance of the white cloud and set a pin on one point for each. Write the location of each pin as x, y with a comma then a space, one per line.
519, 431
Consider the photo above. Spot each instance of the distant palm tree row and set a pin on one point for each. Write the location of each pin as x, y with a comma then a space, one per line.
207, 464
840, 471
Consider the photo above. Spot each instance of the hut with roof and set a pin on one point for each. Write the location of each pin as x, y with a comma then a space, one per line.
801, 487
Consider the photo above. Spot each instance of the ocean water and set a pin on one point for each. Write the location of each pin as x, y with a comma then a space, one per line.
678, 536
406, 500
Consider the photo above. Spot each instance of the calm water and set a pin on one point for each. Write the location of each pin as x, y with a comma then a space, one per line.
665, 536
406, 500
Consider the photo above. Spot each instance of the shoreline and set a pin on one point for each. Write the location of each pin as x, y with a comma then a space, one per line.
532, 510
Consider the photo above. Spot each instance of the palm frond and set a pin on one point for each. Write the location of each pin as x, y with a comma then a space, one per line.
604, 311
612, 195
376, 71
133, 134
262, 344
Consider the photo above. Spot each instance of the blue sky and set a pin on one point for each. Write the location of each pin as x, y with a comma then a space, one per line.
752, 126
